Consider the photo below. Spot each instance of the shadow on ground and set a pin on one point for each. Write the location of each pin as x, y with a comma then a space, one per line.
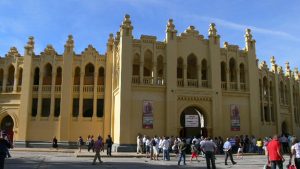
39, 163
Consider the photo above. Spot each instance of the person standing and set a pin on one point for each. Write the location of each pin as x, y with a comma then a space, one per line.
228, 151
194, 151
274, 153
4, 145
98, 146
139, 144
165, 146
80, 143
182, 151
296, 152
54, 143
209, 148
109, 144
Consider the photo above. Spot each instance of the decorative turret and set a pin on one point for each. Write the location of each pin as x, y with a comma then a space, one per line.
296, 73
110, 42
287, 69
212, 31
30, 46
171, 31
49, 51
250, 43
225, 45
69, 44
273, 64
126, 27
13, 52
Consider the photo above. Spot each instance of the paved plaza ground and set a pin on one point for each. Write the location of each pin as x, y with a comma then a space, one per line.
34, 159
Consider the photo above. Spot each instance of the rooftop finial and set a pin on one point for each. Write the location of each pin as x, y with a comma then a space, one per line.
212, 31
287, 66
30, 46
248, 35
273, 61
70, 43
170, 25
127, 21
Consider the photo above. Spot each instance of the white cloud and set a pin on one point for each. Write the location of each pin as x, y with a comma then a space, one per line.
241, 27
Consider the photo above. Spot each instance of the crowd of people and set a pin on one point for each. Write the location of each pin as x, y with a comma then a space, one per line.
208, 147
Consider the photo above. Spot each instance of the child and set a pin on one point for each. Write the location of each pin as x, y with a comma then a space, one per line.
194, 151
240, 151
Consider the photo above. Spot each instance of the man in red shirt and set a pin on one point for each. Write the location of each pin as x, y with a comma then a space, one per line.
274, 153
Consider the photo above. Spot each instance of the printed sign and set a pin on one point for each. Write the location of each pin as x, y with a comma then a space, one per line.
235, 118
191, 121
148, 114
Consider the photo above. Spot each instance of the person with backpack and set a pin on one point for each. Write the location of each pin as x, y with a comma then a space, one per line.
98, 146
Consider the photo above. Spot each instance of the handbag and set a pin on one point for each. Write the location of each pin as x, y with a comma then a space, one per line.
292, 167
267, 166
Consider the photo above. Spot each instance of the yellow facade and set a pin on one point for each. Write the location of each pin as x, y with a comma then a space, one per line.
70, 95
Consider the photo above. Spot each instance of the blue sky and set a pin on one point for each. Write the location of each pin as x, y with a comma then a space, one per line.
275, 24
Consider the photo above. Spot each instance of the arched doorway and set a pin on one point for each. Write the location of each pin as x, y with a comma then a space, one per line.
284, 128
192, 123
7, 125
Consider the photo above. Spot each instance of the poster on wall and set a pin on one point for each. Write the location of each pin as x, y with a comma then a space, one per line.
191, 121
235, 117
148, 114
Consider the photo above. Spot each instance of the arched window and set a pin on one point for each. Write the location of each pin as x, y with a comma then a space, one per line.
1, 78
242, 73
58, 76
160, 67
47, 79
101, 76
180, 68
89, 74
232, 70
148, 63
36, 77
77, 76
223, 71
204, 69
20, 77
192, 71
11, 74
136, 65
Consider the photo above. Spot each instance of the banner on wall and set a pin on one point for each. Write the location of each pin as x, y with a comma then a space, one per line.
148, 114
191, 121
235, 117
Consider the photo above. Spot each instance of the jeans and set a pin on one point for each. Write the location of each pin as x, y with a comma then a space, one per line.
166, 154
97, 156
210, 158
181, 155
297, 162
108, 150
276, 163
228, 153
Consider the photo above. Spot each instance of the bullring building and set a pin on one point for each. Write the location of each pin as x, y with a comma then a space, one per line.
186, 85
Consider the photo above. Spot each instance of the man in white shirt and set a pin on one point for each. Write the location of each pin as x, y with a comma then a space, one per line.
296, 152
228, 151
144, 143
165, 147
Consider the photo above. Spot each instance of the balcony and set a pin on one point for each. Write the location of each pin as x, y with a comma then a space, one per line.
88, 88
46, 88
160, 81
57, 88
100, 88
76, 88
192, 82
135, 79
232, 85
224, 85
9, 89
180, 82
204, 83
243, 86
148, 80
